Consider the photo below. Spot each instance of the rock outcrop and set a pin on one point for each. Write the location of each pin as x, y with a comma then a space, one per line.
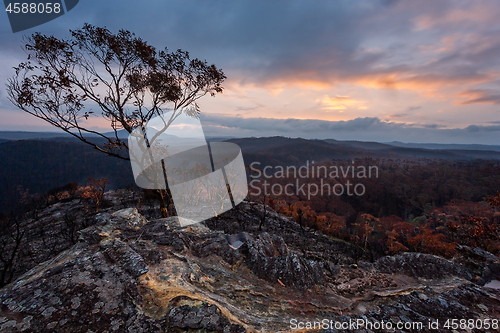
127, 274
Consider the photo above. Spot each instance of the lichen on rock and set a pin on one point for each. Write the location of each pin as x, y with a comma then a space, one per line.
127, 274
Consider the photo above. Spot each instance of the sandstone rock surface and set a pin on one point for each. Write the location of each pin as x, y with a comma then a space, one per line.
127, 274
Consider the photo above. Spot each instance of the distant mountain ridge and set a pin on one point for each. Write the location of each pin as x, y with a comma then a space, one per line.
251, 144
279, 150
26, 135
445, 146
42, 164
22, 135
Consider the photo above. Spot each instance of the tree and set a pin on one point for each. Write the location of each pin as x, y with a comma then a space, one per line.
94, 191
494, 201
393, 245
122, 76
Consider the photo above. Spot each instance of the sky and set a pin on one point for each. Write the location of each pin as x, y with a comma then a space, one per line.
374, 70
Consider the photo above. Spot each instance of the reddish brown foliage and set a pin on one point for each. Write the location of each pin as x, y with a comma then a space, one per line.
94, 191
423, 206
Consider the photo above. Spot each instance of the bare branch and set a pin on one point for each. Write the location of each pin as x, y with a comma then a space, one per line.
120, 74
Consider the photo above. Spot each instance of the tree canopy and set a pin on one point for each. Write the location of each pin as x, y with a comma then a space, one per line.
117, 76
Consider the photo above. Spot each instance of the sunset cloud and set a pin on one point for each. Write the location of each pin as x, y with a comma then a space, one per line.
319, 60
341, 103
398, 116
479, 96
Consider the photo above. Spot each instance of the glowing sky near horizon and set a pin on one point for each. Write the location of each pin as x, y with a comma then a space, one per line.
420, 71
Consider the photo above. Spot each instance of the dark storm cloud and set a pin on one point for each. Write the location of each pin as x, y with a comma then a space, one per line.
273, 37
260, 40
289, 41
382, 43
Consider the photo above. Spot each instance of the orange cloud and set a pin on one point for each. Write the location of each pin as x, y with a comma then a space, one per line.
479, 96
397, 116
446, 44
422, 82
340, 103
